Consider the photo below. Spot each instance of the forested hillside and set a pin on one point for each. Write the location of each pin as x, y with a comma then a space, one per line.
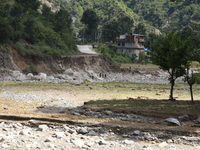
161, 14
34, 30
164, 14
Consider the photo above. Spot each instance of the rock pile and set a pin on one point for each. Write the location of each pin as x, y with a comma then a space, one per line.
30, 136
77, 75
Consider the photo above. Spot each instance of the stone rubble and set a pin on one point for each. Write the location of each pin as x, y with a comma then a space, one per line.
77, 75
60, 137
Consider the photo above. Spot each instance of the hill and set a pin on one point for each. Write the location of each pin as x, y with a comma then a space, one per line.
158, 14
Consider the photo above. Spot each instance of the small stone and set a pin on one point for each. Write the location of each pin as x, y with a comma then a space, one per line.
5, 129
173, 148
103, 142
50, 145
92, 133
59, 135
136, 132
107, 112
78, 143
24, 132
1, 139
169, 141
32, 121
128, 142
163, 144
183, 118
83, 130
4, 146
49, 140
43, 128
71, 131
198, 120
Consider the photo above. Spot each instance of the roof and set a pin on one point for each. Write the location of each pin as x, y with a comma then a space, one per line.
124, 36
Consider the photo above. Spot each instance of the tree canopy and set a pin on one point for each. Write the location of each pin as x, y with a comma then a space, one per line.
114, 28
172, 54
140, 29
90, 18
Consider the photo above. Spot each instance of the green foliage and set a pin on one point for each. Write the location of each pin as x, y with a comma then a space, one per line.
197, 76
141, 57
4, 48
48, 35
114, 28
6, 30
91, 20
140, 29
62, 20
172, 54
114, 58
30, 4
150, 38
194, 63
30, 69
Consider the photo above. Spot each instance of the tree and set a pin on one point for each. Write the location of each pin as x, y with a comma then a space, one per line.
125, 24
190, 80
47, 13
91, 19
114, 28
150, 38
140, 29
111, 30
62, 20
5, 30
172, 54
29, 4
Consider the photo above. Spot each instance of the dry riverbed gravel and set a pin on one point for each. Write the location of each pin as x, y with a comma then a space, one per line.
32, 135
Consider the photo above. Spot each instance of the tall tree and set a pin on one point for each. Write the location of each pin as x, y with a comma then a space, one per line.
6, 30
91, 19
140, 29
114, 28
62, 20
172, 54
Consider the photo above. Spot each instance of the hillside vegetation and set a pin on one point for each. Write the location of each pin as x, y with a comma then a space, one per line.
35, 30
158, 14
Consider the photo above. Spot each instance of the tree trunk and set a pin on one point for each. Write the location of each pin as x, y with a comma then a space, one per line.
172, 88
191, 93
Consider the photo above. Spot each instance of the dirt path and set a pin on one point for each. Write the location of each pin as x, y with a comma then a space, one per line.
87, 49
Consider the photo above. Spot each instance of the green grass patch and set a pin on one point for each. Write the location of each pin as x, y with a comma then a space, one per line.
149, 104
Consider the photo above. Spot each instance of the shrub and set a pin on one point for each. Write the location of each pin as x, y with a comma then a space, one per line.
197, 76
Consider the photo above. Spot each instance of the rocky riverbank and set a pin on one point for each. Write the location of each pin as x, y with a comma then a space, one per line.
77, 75
31, 136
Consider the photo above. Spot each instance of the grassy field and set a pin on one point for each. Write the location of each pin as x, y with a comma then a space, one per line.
118, 95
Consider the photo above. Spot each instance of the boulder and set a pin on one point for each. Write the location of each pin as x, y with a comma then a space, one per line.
43, 128
16, 73
69, 72
42, 76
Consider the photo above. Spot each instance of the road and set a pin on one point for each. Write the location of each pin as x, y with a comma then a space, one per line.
86, 49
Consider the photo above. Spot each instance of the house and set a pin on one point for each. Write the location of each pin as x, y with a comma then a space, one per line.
130, 43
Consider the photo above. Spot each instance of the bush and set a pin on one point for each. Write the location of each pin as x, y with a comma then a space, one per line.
112, 57
23, 51
197, 76
194, 63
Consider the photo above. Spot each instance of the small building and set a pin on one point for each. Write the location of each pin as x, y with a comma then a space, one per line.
130, 43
